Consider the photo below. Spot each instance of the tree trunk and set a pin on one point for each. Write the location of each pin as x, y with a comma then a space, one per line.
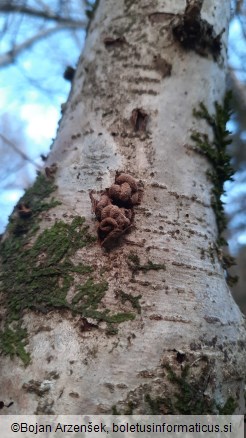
142, 321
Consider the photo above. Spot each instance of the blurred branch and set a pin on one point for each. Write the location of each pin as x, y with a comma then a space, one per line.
38, 84
238, 88
239, 6
10, 56
46, 13
242, 25
8, 182
19, 151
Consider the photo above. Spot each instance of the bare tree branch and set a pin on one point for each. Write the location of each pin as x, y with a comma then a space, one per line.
239, 6
19, 151
10, 56
8, 183
238, 88
47, 13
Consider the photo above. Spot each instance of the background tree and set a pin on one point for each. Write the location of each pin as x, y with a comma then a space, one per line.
159, 294
236, 205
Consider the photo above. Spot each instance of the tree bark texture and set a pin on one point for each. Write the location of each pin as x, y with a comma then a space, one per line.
130, 110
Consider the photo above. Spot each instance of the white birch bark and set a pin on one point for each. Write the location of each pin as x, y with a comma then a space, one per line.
187, 308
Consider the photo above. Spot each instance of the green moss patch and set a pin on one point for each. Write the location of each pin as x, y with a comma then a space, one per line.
39, 278
12, 343
229, 407
133, 300
190, 397
35, 199
38, 275
135, 265
185, 394
216, 152
87, 300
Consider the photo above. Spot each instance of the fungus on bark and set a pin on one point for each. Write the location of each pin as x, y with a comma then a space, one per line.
114, 209
51, 170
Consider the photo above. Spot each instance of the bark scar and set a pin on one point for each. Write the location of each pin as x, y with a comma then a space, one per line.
139, 119
194, 33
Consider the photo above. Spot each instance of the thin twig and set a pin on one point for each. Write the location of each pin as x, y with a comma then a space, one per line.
47, 14
20, 152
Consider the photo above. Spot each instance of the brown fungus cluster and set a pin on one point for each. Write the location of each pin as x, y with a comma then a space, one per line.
114, 209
